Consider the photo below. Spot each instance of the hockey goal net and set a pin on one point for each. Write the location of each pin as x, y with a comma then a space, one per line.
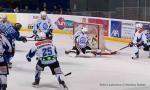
95, 34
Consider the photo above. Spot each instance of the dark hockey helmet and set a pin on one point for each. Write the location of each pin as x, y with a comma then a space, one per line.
17, 26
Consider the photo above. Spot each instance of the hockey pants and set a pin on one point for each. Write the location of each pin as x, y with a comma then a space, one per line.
56, 70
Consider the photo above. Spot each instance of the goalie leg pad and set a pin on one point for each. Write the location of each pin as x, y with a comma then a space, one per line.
77, 51
71, 53
86, 49
91, 53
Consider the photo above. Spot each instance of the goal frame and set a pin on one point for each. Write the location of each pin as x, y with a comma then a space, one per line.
99, 28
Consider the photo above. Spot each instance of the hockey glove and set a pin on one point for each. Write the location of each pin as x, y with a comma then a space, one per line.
24, 39
28, 58
130, 44
139, 45
34, 32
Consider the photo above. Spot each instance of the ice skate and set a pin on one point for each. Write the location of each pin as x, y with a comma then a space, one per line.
64, 86
10, 65
35, 84
136, 56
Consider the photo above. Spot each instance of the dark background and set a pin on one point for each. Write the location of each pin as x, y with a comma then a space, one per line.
122, 9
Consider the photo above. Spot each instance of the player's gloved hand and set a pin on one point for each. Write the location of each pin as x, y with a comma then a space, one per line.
50, 36
35, 32
131, 44
24, 39
138, 45
28, 58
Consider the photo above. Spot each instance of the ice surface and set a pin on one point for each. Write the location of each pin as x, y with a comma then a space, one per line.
111, 72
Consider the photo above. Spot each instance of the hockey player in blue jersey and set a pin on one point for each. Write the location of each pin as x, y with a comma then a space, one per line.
43, 24
141, 38
47, 57
5, 46
11, 32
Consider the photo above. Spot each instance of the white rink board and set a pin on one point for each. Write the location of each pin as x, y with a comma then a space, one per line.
87, 73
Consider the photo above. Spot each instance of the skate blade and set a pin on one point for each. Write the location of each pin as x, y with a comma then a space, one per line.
134, 58
62, 88
35, 86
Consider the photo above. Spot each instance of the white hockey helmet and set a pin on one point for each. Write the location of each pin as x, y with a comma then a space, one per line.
84, 29
139, 25
4, 18
43, 13
41, 36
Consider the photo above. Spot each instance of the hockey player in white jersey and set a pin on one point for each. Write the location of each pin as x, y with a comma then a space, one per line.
47, 57
43, 24
5, 46
141, 38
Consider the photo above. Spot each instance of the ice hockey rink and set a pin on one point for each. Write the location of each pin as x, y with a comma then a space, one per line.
107, 72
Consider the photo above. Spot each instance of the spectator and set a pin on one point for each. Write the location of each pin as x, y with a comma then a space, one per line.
37, 10
16, 10
1, 9
26, 10
55, 10
61, 11
45, 9
68, 11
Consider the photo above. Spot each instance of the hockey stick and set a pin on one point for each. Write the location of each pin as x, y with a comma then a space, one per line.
68, 74
123, 48
120, 49
30, 36
31, 40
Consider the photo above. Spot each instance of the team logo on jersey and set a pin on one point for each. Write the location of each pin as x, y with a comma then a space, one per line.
45, 26
61, 23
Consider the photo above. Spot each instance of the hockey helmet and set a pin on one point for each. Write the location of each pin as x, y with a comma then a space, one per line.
139, 25
4, 18
41, 36
17, 26
43, 13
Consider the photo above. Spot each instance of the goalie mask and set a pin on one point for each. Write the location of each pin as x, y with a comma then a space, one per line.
84, 30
